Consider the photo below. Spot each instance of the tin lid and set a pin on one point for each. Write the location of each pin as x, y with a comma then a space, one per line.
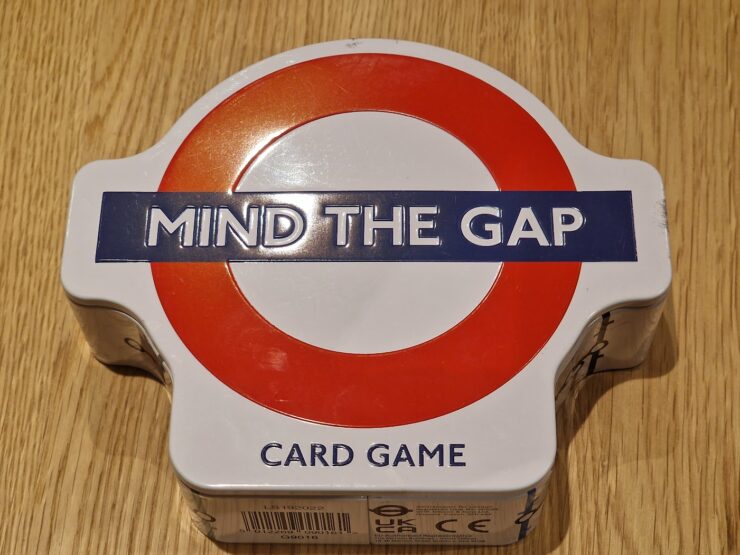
365, 235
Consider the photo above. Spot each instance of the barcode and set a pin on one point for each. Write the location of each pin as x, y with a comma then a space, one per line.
295, 521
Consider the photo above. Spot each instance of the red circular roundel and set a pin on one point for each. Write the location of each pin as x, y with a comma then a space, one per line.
489, 347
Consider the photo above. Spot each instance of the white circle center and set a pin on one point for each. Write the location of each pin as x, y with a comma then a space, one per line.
365, 307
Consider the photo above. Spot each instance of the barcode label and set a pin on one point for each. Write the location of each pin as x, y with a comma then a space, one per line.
296, 521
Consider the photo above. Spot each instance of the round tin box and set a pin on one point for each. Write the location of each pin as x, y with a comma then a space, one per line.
367, 269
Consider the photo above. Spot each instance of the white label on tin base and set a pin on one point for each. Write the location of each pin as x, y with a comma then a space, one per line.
421, 519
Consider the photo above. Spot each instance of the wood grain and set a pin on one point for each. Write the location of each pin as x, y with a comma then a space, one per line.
649, 459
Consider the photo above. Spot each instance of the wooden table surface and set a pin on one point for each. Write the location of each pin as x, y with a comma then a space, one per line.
649, 459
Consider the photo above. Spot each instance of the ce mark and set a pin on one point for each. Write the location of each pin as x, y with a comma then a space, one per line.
447, 526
